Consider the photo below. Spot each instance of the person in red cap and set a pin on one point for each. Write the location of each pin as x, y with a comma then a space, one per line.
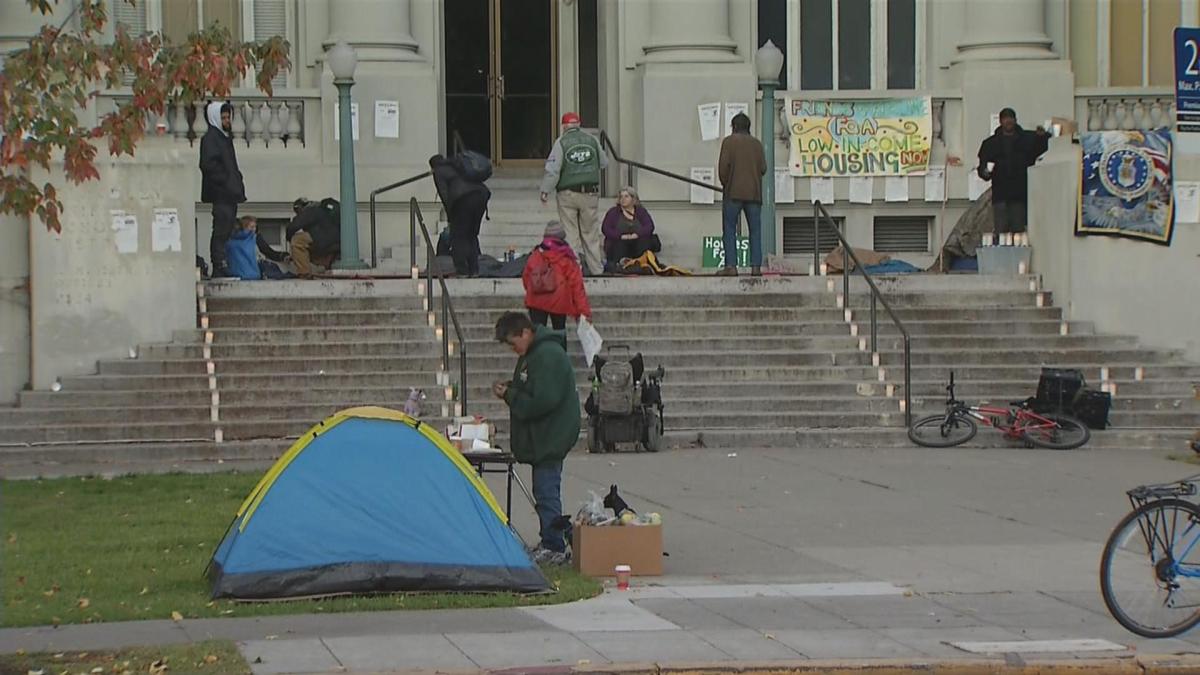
573, 175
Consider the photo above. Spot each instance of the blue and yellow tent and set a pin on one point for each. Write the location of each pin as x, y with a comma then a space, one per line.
369, 501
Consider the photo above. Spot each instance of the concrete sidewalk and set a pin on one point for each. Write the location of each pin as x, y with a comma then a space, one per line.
775, 555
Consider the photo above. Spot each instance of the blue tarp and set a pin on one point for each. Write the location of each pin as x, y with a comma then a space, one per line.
892, 267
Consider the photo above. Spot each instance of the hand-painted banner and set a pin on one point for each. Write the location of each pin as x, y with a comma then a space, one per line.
1126, 185
886, 137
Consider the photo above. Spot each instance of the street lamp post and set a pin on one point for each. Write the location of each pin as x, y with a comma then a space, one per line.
768, 61
342, 61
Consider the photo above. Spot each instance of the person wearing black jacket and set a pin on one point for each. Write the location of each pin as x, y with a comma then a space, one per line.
466, 203
221, 180
314, 233
1004, 159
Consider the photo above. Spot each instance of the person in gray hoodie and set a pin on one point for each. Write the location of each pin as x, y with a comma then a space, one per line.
221, 180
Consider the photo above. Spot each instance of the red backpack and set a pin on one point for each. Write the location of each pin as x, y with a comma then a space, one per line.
541, 274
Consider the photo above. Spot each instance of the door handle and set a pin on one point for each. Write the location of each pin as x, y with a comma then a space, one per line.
500, 86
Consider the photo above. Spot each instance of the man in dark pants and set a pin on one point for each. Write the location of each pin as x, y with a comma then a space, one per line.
1004, 159
221, 183
466, 202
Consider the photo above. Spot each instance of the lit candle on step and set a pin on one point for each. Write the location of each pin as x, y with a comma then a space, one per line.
875, 359
1139, 374
449, 393
208, 337
458, 410
1104, 373
212, 383
889, 390
214, 414
1112, 389
432, 319
854, 331
829, 285
824, 269
841, 301
207, 352
1033, 285
202, 306
210, 367
216, 398
849, 314
811, 271
862, 344
204, 321
882, 374
1040, 299
903, 405
200, 291
437, 332
1021, 267
218, 435
420, 288
415, 273
451, 349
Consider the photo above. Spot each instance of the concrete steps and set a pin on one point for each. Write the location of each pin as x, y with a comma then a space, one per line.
749, 362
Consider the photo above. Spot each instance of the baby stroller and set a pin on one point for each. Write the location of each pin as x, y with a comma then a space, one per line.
625, 406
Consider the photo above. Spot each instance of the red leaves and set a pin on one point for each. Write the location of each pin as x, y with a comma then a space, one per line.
43, 87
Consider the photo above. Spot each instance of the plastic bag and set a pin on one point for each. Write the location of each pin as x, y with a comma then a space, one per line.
590, 339
592, 511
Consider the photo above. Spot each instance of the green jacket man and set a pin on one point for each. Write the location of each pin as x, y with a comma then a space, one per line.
573, 174
543, 406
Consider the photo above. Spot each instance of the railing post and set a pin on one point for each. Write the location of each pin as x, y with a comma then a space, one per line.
907, 384
374, 253
845, 273
816, 237
445, 330
462, 374
412, 236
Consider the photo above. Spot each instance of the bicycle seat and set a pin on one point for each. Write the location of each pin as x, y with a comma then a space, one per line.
1026, 403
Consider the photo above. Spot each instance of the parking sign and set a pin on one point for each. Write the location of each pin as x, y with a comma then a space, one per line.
1187, 80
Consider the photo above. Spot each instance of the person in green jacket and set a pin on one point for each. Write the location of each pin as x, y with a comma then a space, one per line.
543, 406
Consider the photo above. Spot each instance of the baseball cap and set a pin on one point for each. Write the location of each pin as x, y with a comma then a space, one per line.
570, 118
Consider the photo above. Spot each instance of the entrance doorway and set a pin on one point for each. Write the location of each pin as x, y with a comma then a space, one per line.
502, 78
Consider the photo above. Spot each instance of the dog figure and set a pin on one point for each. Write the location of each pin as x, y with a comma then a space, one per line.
613, 501
412, 407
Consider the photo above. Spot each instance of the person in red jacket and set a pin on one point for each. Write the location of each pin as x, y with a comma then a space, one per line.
554, 282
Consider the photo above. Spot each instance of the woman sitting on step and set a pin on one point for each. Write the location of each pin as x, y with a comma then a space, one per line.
628, 230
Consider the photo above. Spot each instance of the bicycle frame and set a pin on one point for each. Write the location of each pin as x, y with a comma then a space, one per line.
1012, 421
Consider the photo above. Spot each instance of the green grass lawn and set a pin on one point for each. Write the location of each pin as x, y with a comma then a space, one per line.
210, 658
90, 550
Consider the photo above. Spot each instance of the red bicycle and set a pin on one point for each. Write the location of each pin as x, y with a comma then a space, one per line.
957, 425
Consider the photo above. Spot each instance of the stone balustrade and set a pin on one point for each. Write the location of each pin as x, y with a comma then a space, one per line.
257, 120
1113, 109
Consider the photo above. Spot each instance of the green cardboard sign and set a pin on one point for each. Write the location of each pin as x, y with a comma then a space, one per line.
714, 252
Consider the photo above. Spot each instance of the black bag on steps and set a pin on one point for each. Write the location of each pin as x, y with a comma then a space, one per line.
1091, 407
1057, 389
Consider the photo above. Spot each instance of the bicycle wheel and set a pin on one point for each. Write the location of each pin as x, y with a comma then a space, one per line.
1067, 433
1150, 570
942, 431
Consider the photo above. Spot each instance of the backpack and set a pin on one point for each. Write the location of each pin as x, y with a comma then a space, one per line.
541, 275
616, 391
473, 166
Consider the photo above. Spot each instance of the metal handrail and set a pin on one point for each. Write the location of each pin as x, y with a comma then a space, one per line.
631, 164
449, 316
412, 235
848, 255
456, 142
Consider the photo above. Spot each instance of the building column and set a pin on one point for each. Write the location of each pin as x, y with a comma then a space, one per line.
1013, 30
380, 30
690, 31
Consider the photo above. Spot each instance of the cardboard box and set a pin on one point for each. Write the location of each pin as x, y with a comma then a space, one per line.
597, 550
